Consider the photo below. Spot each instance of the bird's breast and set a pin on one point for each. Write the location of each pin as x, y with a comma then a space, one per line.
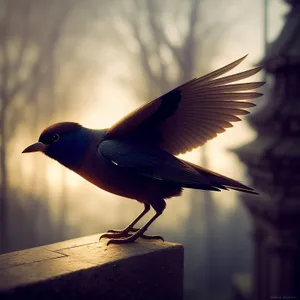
109, 177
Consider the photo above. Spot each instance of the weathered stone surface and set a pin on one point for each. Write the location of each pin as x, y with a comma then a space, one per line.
26, 256
87, 269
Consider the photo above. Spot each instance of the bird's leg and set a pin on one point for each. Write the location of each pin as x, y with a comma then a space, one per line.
125, 231
140, 233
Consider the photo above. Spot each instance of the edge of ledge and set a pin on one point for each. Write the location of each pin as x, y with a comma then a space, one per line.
44, 263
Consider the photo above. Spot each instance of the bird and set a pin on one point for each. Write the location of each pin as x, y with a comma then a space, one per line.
136, 158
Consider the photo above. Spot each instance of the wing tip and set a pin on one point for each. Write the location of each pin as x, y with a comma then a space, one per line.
257, 95
257, 69
259, 84
244, 190
242, 58
238, 61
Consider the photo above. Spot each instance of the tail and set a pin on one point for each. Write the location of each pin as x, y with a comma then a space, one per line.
219, 181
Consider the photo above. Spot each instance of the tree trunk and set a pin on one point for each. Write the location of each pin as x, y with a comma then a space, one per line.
3, 186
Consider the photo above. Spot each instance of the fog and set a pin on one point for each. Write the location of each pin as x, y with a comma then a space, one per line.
94, 61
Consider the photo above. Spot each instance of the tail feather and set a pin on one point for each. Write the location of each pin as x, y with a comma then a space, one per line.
221, 182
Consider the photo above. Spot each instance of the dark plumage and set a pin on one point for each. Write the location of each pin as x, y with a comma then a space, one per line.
135, 157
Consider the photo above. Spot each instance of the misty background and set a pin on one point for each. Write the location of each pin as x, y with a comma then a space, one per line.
94, 61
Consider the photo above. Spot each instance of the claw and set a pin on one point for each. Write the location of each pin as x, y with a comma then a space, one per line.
131, 238
124, 237
127, 240
119, 231
114, 235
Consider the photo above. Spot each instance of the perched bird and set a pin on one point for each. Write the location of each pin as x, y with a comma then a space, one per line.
135, 157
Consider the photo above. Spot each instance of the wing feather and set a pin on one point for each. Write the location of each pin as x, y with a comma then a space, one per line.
220, 96
234, 87
233, 78
192, 113
227, 104
222, 71
151, 162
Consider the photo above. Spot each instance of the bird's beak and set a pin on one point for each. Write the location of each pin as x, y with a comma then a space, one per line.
36, 147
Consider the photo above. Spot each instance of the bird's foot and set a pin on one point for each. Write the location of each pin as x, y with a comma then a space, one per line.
119, 231
126, 240
133, 237
115, 235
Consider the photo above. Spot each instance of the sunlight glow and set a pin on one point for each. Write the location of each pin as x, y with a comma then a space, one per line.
114, 104
107, 100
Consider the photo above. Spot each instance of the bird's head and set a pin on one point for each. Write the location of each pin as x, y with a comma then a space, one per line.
63, 142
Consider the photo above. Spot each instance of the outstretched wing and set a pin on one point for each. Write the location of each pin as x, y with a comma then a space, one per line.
191, 114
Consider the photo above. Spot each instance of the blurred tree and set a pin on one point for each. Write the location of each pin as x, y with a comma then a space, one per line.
47, 63
163, 40
26, 49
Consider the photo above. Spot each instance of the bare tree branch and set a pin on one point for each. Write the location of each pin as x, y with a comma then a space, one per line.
25, 33
3, 47
158, 30
41, 61
189, 46
144, 51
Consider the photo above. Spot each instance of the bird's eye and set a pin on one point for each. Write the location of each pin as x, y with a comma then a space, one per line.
55, 138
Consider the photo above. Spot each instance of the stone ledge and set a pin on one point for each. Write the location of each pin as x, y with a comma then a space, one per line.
85, 268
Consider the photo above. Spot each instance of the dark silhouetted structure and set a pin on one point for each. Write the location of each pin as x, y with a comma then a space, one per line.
273, 161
